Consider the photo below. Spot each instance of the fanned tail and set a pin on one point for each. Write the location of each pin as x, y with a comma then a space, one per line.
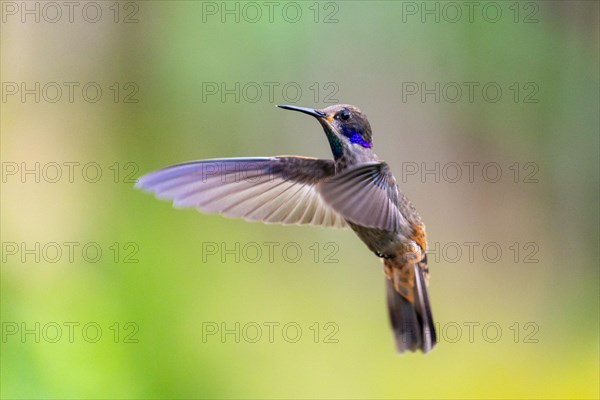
410, 314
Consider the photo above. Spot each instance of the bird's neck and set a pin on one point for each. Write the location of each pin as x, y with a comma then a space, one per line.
346, 155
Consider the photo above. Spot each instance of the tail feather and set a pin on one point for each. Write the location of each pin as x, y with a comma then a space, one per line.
412, 322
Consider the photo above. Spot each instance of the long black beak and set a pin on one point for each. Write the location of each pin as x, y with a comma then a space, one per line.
309, 111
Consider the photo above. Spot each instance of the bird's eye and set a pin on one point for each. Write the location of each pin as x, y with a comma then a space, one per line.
344, 115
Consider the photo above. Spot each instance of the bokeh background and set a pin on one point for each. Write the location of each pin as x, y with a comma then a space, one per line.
520, 324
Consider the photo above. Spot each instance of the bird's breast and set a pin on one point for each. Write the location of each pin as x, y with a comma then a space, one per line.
382, 242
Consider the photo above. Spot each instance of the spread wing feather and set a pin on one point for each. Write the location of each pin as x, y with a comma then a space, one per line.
269, 189
366, 195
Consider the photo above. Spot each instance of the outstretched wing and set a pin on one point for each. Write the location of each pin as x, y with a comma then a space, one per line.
366, 195
269, 189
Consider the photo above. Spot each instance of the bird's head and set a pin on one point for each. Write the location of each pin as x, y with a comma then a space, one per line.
346, 127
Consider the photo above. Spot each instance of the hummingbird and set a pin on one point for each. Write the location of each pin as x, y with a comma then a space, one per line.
356, 189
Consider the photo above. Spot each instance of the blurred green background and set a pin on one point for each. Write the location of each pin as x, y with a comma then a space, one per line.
520, 324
